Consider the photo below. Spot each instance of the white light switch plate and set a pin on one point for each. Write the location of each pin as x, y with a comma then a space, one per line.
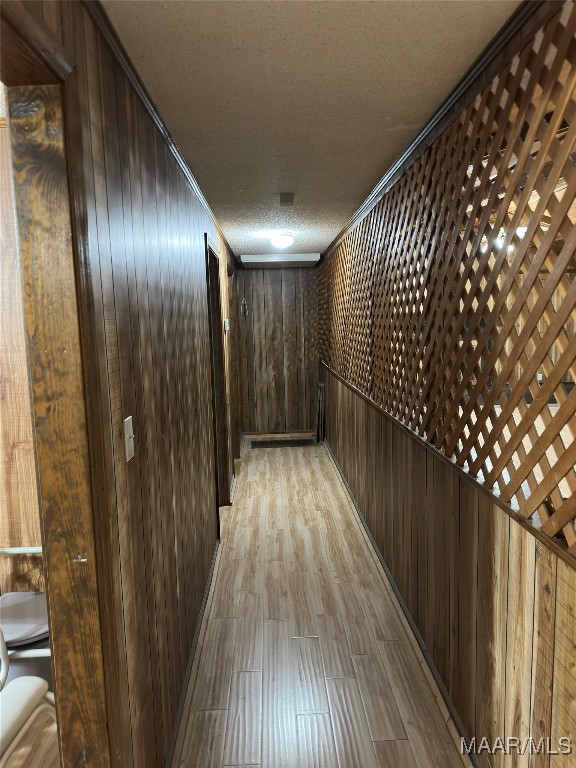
226, 324
129, 438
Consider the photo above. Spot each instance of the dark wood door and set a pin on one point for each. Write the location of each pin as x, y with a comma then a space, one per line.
234, 368
218, 378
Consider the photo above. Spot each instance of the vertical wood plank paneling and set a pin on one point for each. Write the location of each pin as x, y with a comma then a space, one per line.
279, 368
234, 373
274, 350
493, 564
245, 388
53, 18
250, 382
160, 381
520, 619
83, 108
289, 347
464, 693
302, 346
422, 549
147, 422
127, 485
543, 650
138, 482
260, 351
441, 620
564, 684
417, 501
310, 305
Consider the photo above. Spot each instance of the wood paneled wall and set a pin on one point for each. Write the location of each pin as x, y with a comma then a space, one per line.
19, 513
278, 349
494, 605
452, 304
139, 260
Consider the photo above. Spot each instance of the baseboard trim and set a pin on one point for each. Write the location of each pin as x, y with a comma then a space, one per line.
408, 616
270, 437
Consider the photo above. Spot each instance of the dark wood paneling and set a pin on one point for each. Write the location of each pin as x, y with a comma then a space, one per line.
479, 586
139, 224
278, 349
233, 340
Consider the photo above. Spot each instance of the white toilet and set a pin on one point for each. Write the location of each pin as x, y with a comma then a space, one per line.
24, 623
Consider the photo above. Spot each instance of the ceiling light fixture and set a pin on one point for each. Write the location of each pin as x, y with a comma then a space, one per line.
281, 239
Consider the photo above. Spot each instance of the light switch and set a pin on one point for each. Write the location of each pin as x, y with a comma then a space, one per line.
128, 438
226, 324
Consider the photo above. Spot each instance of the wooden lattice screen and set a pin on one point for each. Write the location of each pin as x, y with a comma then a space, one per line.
452, 303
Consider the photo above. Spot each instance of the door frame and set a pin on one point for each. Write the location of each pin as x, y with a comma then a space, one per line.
218, 375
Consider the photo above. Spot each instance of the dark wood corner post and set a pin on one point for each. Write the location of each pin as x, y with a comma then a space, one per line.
36, 69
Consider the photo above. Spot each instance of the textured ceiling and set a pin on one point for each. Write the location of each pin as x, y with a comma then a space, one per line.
315, 98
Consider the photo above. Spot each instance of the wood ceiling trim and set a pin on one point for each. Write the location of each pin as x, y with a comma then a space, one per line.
105, 27
529, 17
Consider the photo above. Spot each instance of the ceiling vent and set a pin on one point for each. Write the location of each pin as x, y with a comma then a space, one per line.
286, 198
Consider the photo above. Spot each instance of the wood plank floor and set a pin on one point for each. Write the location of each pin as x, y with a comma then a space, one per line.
305, 659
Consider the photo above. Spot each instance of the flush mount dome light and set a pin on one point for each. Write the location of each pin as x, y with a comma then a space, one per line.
281, 239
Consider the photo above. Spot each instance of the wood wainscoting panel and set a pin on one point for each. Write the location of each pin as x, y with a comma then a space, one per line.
564, 681
494, 605
491, 622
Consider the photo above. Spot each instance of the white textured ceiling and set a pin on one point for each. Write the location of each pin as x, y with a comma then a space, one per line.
315, 98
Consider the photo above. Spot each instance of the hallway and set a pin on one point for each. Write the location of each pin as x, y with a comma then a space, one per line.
304, 657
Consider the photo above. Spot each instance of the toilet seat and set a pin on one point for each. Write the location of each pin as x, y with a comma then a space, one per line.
23, 618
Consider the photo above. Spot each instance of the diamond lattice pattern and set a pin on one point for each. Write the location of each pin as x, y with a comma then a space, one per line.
452, 303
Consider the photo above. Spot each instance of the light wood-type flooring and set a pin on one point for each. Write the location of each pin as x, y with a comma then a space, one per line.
304, 658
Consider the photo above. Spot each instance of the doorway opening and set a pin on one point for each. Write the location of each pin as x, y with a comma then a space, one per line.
218, 377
